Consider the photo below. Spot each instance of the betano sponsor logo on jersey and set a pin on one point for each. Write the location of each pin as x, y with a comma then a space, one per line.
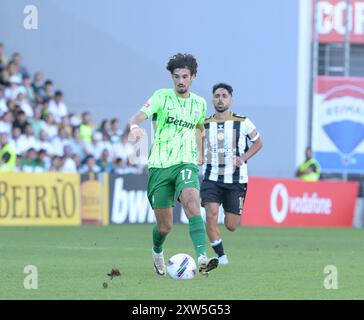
180, 123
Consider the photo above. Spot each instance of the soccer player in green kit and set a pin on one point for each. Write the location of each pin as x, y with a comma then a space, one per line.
172, 163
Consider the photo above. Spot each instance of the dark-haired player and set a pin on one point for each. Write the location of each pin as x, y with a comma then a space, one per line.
172, 164
225, 170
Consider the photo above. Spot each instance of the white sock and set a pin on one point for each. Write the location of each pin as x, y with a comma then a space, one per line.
216, 242
156, 253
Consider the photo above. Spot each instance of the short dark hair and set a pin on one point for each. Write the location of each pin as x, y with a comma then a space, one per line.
222, 85
181, 60
46, 100
114, 120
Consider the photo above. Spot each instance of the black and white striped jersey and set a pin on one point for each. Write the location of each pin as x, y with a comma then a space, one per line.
223, 141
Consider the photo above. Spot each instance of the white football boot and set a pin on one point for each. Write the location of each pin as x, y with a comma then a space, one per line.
223, 260
206, 265
158, 263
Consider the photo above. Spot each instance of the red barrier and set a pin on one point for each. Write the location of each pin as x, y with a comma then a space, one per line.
283, 202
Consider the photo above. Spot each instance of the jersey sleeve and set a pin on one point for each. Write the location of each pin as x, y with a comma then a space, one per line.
151, 106
248, 127
203, 113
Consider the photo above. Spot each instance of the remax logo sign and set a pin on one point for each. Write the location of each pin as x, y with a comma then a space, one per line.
338, 124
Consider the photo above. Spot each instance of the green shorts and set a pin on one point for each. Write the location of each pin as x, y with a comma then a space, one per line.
166, 184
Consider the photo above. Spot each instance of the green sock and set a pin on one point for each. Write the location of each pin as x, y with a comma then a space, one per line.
198, 234
158, 240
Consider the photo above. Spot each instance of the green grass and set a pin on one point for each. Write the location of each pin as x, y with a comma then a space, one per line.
265, 263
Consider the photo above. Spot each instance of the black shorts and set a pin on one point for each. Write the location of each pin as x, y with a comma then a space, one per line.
231, 195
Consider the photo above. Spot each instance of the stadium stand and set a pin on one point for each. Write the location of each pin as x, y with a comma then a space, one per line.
46, 136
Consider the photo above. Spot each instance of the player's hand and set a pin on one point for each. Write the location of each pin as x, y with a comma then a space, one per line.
238, 161
136, 134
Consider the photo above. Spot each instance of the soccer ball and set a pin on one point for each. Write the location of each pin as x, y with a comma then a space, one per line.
181, 266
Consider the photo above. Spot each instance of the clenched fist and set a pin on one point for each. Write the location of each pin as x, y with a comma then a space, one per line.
136, 133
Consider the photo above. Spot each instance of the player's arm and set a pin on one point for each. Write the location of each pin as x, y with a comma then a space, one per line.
200, 135
257, 144
200, 140
149, 109
6, 157
135, 131
299, 173
310, 169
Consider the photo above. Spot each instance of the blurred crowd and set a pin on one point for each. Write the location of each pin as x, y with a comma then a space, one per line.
38, 130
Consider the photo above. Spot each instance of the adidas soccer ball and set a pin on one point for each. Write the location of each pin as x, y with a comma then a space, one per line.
181, 266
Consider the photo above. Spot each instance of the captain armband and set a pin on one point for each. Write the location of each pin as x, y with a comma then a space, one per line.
255, 138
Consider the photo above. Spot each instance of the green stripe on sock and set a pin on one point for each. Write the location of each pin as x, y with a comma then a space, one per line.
158, 240
198, 234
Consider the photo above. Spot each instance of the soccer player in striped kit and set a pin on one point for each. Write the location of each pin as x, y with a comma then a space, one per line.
225, 170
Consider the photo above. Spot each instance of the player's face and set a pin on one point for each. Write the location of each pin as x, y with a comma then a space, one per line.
222, 100
182, 79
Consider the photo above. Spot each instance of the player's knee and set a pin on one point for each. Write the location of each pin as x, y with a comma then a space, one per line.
193, 206
164, 229
211, 215
231, 226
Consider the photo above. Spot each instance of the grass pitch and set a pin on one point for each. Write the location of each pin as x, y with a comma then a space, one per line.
265, 263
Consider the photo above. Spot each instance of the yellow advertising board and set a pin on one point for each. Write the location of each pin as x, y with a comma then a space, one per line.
28, 199
95, 198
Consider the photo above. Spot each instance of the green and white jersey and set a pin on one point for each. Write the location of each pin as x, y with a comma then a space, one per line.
175, 134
